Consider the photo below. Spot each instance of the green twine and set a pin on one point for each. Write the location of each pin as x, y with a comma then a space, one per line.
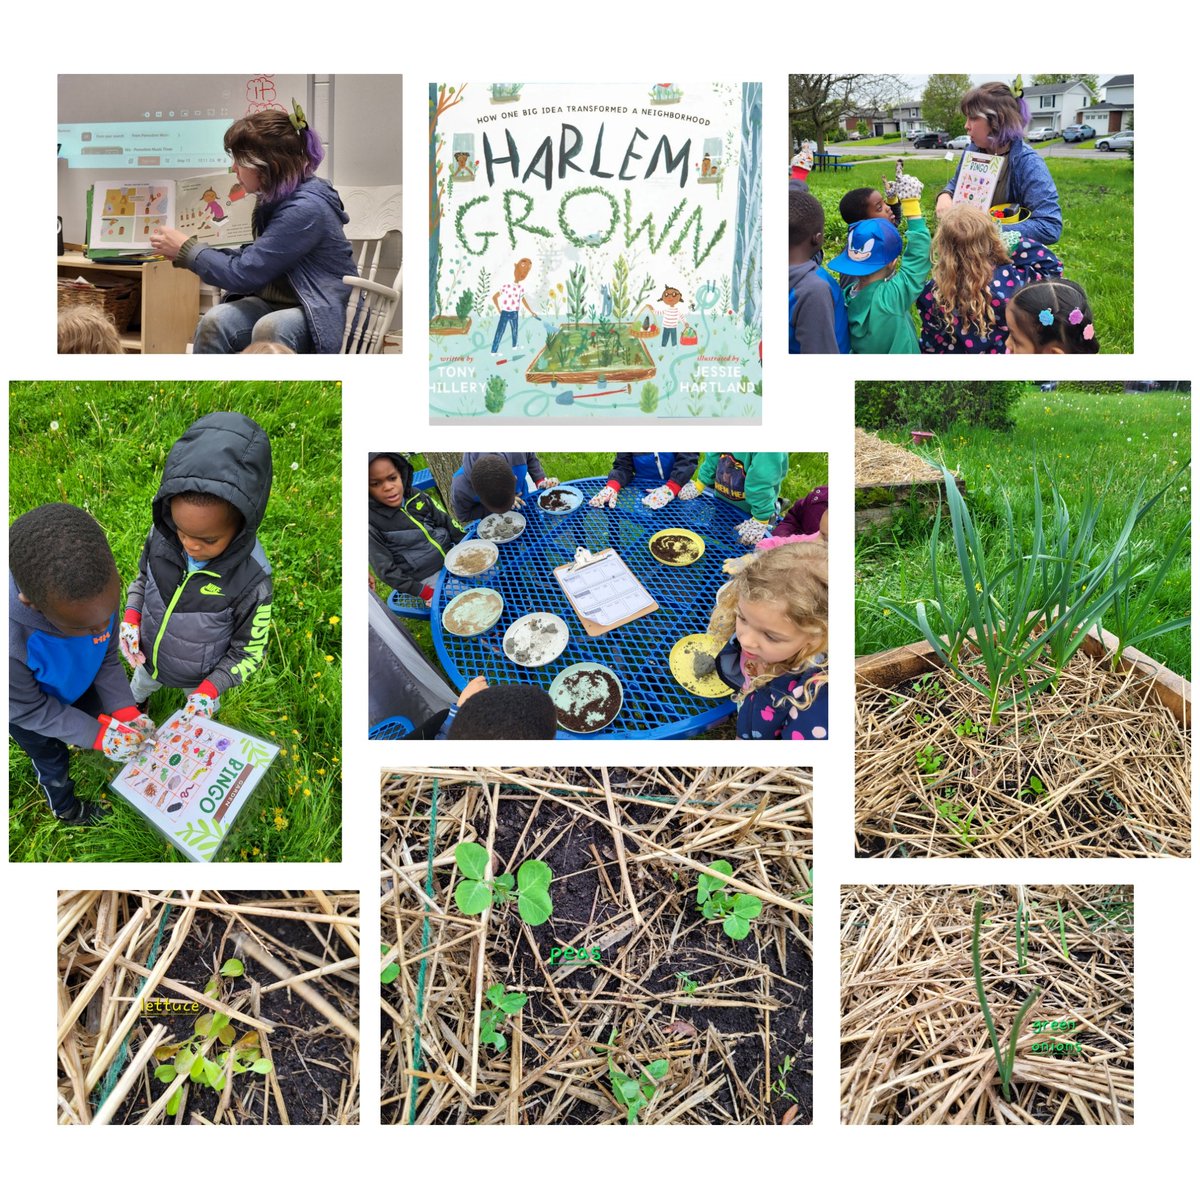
412, 1096
118, 1063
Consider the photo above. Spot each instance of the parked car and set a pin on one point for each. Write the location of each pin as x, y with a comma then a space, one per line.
1042, 134
931, 139
958, 143
1078, 133
1116, 141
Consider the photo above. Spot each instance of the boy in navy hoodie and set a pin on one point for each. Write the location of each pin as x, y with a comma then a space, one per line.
66, 685
816, 309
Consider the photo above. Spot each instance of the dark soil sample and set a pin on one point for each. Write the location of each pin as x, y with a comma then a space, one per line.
587, 701
674, 548
557, 500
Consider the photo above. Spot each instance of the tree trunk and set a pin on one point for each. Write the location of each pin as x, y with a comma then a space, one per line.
443, 467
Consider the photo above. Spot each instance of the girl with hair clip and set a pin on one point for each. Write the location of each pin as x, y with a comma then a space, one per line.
1051, 317
997, 116
775, 615
285, 286
962, 308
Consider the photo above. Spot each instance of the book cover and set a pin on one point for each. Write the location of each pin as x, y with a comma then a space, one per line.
214, 208
595, 251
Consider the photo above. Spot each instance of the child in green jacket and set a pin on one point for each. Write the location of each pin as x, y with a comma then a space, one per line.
750, 481
880, 294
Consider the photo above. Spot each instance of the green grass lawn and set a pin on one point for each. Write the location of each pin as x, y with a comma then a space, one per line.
102, 446
805, 471
1111, 441
1096, 246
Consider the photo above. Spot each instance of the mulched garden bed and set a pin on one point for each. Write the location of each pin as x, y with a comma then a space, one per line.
727, 1039
315, 1059
1099, 767
915, 1045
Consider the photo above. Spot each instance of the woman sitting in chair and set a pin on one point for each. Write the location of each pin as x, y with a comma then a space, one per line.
285, 286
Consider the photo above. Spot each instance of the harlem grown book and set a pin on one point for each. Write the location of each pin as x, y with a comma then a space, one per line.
595, 251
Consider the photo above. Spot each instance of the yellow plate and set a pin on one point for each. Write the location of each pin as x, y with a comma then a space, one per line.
711, 687
684, 547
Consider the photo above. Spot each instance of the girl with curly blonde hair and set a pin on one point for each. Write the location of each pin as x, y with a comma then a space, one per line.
963, 306
774, 615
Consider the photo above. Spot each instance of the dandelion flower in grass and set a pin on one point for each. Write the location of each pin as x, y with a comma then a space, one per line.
295, 466
281, 823
308, 791
53, 426
334, 620
978, 586
329, 658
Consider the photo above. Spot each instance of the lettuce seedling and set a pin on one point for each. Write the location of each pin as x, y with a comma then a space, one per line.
634, 1094
475, 893
506, 1004
392, 970
736, 911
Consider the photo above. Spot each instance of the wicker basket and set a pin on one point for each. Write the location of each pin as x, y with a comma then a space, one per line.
118, 299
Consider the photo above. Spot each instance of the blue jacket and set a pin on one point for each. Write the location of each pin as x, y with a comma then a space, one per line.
463, 499
1030, 185
302, 238
771, 711
48, 672
654, 466
816, 311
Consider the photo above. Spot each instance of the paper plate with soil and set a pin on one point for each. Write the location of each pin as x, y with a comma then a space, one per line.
472, 557
694, 664
536, 639
560, 500
473, 612
588, 697
502, 527
676, 547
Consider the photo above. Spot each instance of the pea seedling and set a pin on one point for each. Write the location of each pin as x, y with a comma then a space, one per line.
490, 1019
241, 1055
475, 893
929, 761
389, 973
633, 1094
687, 985
736, 911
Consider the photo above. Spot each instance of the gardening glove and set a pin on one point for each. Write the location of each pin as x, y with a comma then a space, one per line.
659, 497
130, 636
751, 532
202, 703
144, 726
691, 490
548, 482
606, 497
118, 739
909, 189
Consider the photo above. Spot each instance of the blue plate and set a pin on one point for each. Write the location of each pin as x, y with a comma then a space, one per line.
570, 498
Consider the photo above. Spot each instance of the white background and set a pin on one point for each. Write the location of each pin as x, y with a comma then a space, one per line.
808, 405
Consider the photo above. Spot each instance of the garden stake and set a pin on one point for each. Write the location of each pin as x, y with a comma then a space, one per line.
1062, 932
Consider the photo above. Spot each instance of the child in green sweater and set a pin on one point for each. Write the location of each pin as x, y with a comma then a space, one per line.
750, 481
885, 277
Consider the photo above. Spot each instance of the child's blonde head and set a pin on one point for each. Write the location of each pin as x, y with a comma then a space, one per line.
794, 578
267, 348
967, 250
83, 329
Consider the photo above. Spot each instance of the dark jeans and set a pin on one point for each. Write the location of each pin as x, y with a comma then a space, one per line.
507, 317
672, 332
51, 758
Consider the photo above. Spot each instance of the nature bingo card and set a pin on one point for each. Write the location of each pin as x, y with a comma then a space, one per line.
214, 208
595, 251
192, 783
977, 178
604, 592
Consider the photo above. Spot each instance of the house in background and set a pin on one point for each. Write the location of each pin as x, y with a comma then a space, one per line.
908, 116
1114, 111
1058, 104
877, 121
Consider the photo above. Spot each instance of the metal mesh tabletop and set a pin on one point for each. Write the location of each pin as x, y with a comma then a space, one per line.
655, 706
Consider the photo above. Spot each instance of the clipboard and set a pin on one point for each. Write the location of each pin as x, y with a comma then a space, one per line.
569, 574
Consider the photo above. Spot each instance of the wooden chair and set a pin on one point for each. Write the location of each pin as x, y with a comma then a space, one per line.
374, 213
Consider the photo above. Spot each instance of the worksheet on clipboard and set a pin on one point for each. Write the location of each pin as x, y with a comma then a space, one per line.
605, 591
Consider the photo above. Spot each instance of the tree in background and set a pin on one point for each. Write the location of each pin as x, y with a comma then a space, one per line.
815, 102
940, 103
1092, 81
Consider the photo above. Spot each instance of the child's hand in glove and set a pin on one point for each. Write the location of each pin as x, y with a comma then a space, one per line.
130, 643
751, 532
202, 703
658, 497
908, 189
606, 497
117, 740
690, 490
548, 482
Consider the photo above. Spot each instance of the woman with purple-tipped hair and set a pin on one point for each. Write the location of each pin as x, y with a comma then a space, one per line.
997, 116
286, 285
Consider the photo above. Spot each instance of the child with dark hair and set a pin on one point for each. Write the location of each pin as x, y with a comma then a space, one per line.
1051, 316
287, 285
864, 203
816, 309
513, 712
198, 614
65, 682
409, 533
494, 483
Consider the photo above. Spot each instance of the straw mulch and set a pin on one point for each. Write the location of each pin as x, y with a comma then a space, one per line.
1113, 763
881, 464
915, 1047
745, 1028
299, 992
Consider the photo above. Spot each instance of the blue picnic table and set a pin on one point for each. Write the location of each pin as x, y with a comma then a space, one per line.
655, 705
